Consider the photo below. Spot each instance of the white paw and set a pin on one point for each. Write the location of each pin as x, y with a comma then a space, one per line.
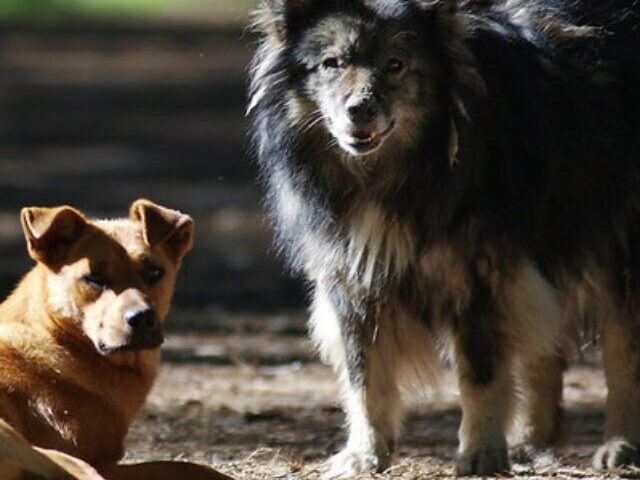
483, 462
349, 463
615, 453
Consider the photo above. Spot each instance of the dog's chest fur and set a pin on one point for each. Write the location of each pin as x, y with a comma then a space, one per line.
373, 248
382, 250
367, 246
379, 246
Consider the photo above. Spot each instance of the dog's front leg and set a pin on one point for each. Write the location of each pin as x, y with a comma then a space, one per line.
486, 392
346, 330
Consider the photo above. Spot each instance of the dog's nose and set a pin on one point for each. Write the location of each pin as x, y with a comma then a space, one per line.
144, 319
365, 111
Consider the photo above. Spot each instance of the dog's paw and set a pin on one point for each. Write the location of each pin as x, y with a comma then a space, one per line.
523, 454
349, 463
615, 453
483, 462
538, 458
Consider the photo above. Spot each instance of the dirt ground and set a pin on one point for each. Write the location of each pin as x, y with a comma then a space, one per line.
99, 113
258, 405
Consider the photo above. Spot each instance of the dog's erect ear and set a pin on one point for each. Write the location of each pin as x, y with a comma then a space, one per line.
50, 232
276, 17
163, 226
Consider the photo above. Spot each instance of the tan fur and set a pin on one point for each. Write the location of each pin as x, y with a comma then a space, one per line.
621, 359
49, 464
539, 329
538, 422
442, 267
486, 413
61, 387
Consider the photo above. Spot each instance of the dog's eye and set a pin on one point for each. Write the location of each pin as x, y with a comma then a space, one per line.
331, 62
94, 281
395, 65
152, 275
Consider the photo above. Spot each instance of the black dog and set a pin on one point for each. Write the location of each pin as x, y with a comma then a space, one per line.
463, 174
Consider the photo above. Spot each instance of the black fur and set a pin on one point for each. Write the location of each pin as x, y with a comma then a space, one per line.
544, 97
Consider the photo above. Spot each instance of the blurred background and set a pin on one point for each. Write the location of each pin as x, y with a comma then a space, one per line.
106, 101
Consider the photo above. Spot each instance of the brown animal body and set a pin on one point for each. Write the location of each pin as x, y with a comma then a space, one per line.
80, 338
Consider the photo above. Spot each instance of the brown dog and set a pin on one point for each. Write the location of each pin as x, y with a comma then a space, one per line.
80, 338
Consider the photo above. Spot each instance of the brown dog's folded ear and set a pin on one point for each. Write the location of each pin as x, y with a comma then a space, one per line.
50, 232
164, 226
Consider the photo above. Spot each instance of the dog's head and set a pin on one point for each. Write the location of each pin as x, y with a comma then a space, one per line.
370, 71
110, 281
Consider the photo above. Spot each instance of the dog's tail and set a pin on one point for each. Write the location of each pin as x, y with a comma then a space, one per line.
17, 457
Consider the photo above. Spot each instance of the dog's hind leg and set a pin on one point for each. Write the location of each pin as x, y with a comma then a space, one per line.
622, 369
538, 329
351, 341
486, 388
539, 422
485, 413
19, 459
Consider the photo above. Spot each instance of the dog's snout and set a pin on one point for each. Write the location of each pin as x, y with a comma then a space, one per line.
364, 111
140, 319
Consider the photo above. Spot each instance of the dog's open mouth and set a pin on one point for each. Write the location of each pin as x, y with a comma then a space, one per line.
364, 141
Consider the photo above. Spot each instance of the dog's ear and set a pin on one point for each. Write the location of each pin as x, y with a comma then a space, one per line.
276, 18
50, 232
163, 226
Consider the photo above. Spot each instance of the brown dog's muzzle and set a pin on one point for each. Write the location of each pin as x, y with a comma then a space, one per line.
135, 326
145, 327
